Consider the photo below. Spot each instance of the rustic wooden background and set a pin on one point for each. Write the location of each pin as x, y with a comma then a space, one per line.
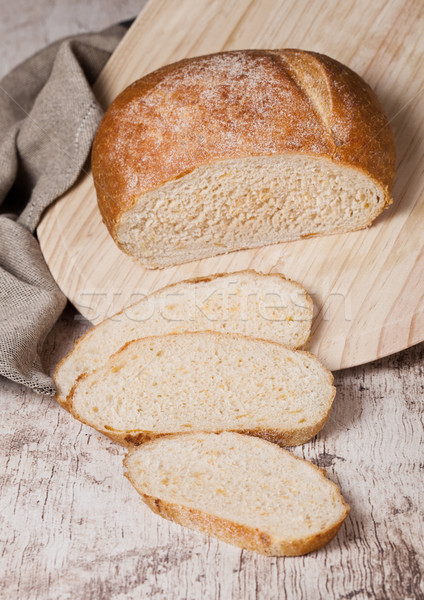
72, 527
366, 284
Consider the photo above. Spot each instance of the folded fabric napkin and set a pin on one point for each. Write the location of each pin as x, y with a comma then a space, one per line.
48, 118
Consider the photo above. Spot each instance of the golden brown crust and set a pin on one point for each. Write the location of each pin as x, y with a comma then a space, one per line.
237, 534
232, 105
282, 438
205, 278
136, 437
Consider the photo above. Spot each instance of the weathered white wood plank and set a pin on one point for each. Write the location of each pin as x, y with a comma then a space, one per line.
28, 26
73, 527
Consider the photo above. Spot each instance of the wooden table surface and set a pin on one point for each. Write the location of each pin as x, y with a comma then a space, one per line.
72, 527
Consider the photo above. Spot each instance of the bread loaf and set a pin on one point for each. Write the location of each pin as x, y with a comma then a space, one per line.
205, 381
262, 306
240, 489
238, 150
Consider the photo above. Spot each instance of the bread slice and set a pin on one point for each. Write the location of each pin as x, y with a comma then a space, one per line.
206, 381
238, 150
240, 489
263, 306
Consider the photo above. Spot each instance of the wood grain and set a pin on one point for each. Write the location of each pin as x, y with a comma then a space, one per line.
367, 285
73, 527
26, 27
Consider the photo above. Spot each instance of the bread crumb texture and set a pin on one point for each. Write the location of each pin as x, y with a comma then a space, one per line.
266, 306
205, 381
239, 150
241, 489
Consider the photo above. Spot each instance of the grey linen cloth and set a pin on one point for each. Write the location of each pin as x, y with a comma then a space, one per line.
48, 118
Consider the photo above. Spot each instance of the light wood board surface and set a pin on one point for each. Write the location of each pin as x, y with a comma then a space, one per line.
71, 527
367, 285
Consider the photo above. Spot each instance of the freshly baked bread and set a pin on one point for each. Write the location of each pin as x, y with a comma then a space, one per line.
238, 150
205, 381
240, 489
262, 306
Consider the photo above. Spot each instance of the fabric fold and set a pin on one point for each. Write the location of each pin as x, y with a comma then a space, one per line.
48, 118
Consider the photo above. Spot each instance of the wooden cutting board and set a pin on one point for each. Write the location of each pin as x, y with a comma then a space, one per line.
367, 286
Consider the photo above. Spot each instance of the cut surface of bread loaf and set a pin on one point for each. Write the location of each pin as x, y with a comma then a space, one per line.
205, 381
241, 489
238, 150
254, 304
247, 203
